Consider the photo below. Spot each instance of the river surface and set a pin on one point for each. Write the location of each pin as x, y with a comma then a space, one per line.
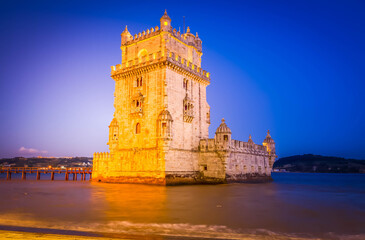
294, 205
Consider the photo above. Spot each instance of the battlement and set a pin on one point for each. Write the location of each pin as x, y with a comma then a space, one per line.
208, 145
142, 35
187, 38
104, 156
158, 57
100, 161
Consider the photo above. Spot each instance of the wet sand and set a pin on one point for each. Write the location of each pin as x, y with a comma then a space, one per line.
40, 236
72, 235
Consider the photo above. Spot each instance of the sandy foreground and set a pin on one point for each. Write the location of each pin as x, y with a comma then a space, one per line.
45, 236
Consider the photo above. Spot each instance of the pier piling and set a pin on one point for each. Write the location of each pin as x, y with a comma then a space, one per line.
39, 170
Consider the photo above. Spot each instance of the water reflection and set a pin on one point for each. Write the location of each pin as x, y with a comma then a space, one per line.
291, 205
124, 202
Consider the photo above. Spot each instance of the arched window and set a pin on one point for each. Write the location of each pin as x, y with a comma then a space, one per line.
139, 82
138, 128
137, 104
164, 126
142, 53
185, 84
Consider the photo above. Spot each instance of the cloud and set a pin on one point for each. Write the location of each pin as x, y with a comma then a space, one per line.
25, 150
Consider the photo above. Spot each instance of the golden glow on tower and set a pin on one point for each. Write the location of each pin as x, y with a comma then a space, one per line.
159, 132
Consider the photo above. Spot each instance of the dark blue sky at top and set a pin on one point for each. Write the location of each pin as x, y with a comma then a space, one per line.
294, 67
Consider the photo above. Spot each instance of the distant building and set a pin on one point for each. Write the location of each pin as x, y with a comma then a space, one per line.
159, 132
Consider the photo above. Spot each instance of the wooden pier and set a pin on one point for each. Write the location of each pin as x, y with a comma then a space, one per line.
67, 171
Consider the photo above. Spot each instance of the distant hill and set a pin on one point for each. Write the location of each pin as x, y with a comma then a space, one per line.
320, 164
46, 162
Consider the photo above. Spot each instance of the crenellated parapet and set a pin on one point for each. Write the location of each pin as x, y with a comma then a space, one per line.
171, 59
186, 38
141, 36
210, 145
103, 156
246, 147
100, 162
223, 142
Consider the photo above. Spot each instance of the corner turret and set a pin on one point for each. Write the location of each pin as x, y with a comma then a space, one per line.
250, 141
269, 143
165, 22
198, 42
223, 135
189, 37
126, 36
113, 135
270, 147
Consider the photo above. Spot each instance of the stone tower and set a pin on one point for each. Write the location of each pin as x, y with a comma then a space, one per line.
159, 131
161, 112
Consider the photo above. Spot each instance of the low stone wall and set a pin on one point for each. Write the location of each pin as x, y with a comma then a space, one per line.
190, 178
248, 178
137, 180
171, 179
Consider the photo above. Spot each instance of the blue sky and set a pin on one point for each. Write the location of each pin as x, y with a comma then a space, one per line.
294, 67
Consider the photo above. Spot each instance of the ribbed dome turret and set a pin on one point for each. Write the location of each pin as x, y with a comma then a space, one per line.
268, 138
165, 16
223, 128
250, 141
126, 36
165, 115
126, 30
165, 23
113, 123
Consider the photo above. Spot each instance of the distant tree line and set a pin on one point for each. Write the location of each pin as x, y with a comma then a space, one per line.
46, 162
320, 164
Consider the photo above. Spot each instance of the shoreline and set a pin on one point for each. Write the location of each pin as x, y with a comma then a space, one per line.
319, 172
20, 233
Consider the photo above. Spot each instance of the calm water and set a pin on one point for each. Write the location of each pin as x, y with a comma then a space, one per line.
329, 206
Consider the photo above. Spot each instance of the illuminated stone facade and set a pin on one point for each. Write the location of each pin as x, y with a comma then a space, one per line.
159, 133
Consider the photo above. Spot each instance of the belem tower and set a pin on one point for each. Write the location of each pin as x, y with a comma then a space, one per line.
159, 132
